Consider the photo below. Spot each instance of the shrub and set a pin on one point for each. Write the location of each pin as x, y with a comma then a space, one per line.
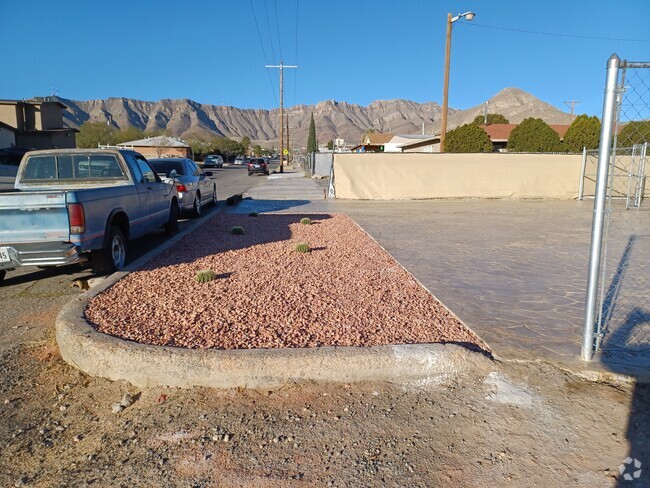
237, 230
252, 214
634, 132
468, 138
584, 131
305, 221
534, 135
303, 247
204, 276
491, 119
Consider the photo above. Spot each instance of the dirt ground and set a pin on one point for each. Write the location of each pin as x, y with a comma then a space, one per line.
521, 425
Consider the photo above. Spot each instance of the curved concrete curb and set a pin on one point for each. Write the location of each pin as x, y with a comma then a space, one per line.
142, 365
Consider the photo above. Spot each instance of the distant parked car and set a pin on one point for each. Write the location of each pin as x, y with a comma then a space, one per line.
193, 186
257, 165
241, 160
213, 161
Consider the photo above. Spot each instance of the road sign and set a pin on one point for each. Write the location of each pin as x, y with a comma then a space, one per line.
286, 151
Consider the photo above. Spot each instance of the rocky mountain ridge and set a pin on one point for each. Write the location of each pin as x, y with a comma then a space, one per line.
188, 119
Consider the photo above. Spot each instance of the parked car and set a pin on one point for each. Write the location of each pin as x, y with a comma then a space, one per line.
257, 165
194, 186
77, 205
241, 160
213, 161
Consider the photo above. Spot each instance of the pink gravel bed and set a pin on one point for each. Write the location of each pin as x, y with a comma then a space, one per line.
347, 291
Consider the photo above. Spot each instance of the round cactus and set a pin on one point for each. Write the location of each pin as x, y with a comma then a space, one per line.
303, 247
253, 214
237, 230
204, 276
305, 221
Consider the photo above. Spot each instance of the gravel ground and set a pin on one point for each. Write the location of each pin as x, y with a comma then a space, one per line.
347, 291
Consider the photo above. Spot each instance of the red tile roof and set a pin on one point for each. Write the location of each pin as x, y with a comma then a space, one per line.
501, 132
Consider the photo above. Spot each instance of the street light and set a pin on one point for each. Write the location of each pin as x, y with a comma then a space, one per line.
445, 93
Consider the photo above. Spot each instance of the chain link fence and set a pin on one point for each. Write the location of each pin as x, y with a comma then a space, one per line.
618, 325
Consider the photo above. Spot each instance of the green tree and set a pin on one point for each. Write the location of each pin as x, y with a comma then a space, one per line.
92, 134
491, 119
199, 148
584, 131
246, 143
635, 132
330, 144
128, 134
257, 150
312, 146
228, 148
534, 135
468, 138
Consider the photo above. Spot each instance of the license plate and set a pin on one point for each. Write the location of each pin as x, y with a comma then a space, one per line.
257, 165
4, 255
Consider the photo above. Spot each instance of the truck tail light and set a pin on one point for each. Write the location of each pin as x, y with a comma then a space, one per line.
77, 218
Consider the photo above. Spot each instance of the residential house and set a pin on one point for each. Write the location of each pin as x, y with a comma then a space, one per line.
160, 147
373, 142
36, 124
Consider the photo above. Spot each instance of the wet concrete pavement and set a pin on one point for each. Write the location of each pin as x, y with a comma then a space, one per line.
514, 271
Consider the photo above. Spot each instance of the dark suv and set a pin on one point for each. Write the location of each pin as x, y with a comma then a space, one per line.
257, 165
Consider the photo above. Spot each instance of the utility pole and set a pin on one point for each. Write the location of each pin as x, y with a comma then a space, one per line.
486, 113
288, 146
281, 66
572, 103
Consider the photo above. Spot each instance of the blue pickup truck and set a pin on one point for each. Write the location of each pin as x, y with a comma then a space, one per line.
76, 205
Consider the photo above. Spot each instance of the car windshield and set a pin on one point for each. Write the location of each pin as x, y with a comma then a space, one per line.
166, 167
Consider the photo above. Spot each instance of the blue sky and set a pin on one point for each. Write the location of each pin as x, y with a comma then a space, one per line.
355, 51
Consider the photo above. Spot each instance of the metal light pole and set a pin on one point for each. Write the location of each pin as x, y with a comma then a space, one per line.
445, 89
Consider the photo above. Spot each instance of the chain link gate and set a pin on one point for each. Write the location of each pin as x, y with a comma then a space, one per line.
617, 313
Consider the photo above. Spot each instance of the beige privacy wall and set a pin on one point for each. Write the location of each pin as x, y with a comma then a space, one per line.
404, 176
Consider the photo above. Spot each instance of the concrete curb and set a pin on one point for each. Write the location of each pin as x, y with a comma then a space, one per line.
144, 366
98, 354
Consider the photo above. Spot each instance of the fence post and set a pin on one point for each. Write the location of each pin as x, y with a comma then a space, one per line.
581, 188
595, 251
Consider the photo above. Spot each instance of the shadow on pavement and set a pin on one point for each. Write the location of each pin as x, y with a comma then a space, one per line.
248, 205
625, 350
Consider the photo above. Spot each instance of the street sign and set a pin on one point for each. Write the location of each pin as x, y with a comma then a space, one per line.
286, 151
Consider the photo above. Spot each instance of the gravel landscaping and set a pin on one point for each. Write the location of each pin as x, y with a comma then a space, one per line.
347, 291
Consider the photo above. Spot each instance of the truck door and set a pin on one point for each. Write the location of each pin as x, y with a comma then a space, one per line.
158, 194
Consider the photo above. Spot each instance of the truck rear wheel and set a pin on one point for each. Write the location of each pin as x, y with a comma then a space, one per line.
171, 227
113, 257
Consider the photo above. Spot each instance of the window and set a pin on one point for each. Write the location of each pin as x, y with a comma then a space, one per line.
148, 174
73, 166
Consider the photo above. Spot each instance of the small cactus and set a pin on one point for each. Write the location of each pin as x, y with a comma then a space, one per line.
237, 230
305, 221
303, 247
253, 214
204, 276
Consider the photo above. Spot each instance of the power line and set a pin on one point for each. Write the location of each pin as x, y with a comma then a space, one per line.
571, 103
277, 24
268, 24
550, 34
259, 36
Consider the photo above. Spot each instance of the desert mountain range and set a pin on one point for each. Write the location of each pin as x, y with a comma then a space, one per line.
188, 119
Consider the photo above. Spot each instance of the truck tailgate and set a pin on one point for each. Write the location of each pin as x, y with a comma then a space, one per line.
33, 217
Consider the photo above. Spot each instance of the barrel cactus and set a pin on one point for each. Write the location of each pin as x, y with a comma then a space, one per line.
237, 230
303, 247
204, 276
253, 214
305, 221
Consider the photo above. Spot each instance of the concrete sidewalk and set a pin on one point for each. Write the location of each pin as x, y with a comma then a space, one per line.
513, 270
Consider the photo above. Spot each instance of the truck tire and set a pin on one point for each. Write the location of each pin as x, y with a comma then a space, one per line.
113, 257
197, 208
214, 196
171, 227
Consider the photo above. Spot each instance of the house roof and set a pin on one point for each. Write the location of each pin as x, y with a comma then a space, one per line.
501, 132
376, 138
35, 101
158, 141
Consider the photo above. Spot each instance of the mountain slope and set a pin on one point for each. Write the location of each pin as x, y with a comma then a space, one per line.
188, 119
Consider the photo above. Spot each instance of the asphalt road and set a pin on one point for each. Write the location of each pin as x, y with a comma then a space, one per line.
31, 297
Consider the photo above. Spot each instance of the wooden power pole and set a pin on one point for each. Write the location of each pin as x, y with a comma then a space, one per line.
281, 66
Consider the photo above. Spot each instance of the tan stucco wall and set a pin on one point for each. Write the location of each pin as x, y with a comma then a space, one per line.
8, 115
420, 176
